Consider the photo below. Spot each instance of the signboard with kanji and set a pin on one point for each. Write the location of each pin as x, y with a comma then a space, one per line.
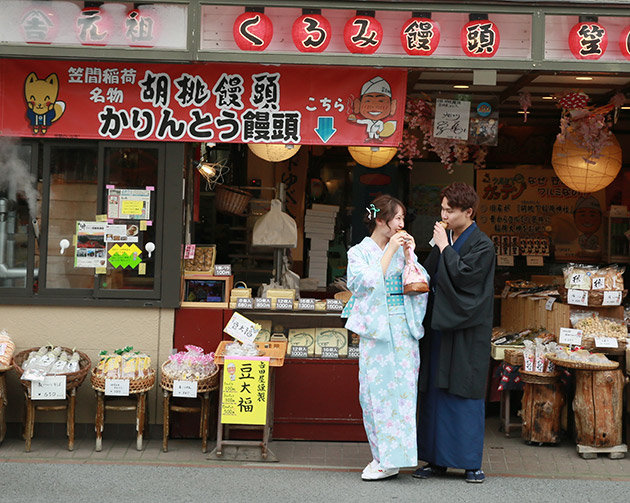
245, 390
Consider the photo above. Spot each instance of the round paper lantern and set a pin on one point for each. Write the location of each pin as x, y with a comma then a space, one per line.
581, 173
252, 31
274, 152
588, 40
363, 35
624, 42
480, 38
39, 25
372, 157
142, 27
93, 26
311, 33
420, 36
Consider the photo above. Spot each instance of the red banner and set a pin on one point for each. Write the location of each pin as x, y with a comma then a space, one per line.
213, 102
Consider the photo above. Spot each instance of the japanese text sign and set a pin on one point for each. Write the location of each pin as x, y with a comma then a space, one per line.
451, 119
228, 103
241, 328
245, 390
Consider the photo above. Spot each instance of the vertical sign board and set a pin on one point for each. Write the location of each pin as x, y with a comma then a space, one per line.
245, 390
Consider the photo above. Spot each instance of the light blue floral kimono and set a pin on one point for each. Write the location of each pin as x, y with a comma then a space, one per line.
389, 326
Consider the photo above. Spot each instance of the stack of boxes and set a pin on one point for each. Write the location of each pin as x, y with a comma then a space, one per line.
319, 226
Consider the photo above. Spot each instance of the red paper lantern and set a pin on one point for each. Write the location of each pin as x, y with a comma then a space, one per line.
588, 40
480, 38
93, 26
39, 25
252, 31
142, 27
420, 36
311, 33
363, 35
624, 42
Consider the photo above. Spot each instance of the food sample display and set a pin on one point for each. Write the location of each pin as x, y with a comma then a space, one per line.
49, 360
190, 365
123, 363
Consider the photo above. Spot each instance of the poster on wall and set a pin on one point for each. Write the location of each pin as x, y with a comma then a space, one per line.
90, 250
526, 205
452, 119
121, 233
129, 204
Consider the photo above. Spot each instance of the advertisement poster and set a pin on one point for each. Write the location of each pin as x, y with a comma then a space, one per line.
121, 233
212, 102
129, 204
526, 203
245, 390
90, 250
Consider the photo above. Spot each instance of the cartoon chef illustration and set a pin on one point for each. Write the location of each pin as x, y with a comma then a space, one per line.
374, 106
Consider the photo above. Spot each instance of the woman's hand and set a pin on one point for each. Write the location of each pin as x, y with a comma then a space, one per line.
439, 236
398, 239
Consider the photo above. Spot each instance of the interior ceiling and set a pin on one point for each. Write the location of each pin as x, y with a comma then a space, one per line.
509, 83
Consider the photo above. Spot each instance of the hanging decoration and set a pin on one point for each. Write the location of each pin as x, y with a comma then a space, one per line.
252, 31
419, 115
93, 26
588, 40
624, 42
372, 157
480, 38
525, 101
274, 152
420, 36
311, 33
363, 34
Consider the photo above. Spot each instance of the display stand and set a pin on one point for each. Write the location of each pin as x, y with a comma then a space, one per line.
507, 424
543, 401
3, 401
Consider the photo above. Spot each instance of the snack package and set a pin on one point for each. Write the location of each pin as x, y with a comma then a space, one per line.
577, 276
7, 347
529, 356
608, 278
539, 360
74, 363
413, 279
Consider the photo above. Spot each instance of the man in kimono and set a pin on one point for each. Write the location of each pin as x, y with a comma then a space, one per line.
455, 350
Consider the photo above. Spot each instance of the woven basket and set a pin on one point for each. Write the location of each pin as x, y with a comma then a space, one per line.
204, 384
139, 385
513, 356
582, 365
539, 377
343, 296
231, 200
73, 379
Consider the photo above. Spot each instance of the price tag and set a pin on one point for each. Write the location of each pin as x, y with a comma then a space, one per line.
244, 303
549, 303
570, 336
353, 351
51, 388
189, 252
577, 297
241, 328
606, 342
330, 352
612, 298
299, 352
506, 290
306, 304
262, 303
223, 269
334, 305
284, 304
598, 283
117, 387
185, 389
3, 348
505, 260
534, 260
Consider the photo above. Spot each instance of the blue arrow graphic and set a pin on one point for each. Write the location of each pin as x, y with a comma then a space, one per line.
325, 128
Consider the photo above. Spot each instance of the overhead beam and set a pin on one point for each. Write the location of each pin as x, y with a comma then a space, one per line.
523, 81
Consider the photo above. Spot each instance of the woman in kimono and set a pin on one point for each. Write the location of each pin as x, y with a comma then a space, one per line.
389, 325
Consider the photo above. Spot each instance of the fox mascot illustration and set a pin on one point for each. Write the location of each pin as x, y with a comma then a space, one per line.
41, 98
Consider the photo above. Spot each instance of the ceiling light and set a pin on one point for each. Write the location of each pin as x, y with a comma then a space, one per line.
625, 108
461, 86
583, 78
548, 97
523, 112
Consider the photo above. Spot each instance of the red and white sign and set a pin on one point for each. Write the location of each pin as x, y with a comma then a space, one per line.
211, 102
252, 31
93, 26
39, 25
588, 40
624, 42
480, 39
420, 36
311, 33
363, 34
142, 28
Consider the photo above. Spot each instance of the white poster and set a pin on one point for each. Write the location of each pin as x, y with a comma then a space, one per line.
121, 233
129, 204
452, 118
90, 250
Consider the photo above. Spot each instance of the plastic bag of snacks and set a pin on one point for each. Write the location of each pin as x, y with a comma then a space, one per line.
7, 347
123, 363
49, 360
192, 364
578, 276
594, 325
608, 278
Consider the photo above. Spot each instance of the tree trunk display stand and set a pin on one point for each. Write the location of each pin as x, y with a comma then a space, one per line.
138, 389
73, 381
205, 386
543, 399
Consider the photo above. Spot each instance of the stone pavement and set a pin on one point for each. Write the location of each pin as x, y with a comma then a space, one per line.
503, 456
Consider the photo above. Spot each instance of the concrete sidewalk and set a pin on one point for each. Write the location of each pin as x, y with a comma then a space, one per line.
503, 456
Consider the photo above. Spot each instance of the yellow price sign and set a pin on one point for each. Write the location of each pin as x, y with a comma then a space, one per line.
245, 390
131, 207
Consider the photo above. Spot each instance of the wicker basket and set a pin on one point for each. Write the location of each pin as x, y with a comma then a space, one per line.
582, 365
539, 377
513, 356
231, 200
139, 385
73, 379
343, 296
204, 384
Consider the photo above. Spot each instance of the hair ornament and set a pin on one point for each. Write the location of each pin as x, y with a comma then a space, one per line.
372, 211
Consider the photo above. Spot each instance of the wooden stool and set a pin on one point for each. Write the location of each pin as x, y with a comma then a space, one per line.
543, 399
3, 401
29, 422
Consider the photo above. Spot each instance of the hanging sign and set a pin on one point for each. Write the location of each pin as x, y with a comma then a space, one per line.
624, 42
311, 33
363, 35
480, 39
588, 40
93, 26
452, 119
245, 390
420, 36
252, 31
